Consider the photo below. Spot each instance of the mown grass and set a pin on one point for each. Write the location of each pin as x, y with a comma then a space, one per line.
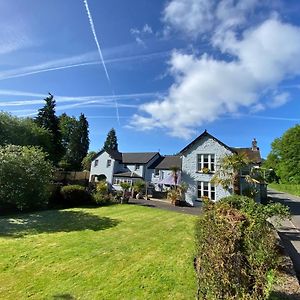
115, 252
293, 189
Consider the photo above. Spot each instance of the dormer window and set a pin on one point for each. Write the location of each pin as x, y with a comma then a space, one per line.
156, 172
206, 163
108, 163
137, 167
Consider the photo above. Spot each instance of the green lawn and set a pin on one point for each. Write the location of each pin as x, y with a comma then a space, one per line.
115, 252
293, 189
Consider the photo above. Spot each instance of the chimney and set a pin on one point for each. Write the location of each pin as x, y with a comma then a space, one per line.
254, 145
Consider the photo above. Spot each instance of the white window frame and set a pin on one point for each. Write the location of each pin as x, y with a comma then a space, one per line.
211, 162
117, 181
156, 172
210, 191
137, 166
108, 163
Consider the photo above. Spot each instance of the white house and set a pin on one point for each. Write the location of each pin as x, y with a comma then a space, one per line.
198, 162
117, 167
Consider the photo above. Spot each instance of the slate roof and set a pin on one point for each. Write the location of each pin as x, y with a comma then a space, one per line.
202, 135
127, 174
252, 155
129, 158
167, 162
137, 157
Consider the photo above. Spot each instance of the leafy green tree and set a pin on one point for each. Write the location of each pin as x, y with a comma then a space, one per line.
47, 119
228, 173
75, 140
284, 157
111, 142
66, 126
23, 132
87, 160
25, 175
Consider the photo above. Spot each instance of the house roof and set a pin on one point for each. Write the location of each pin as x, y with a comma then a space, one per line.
115, 154
202, 135
252, 155
137, 157
127, 174
129, 158
167, 162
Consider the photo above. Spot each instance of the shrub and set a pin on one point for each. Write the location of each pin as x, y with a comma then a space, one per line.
101, 199
25, 175
74, 195
236, 248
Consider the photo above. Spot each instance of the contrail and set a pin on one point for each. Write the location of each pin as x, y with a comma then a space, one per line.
100, 53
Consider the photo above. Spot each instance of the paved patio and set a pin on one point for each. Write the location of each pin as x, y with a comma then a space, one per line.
163, 204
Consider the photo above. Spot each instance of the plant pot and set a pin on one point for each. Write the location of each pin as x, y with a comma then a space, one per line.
124, 200
177, 203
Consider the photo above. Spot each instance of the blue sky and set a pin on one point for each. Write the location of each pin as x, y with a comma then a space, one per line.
174, 68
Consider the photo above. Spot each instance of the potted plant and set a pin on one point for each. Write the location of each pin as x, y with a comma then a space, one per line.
138, 187
125, 187
174, 196
205, 170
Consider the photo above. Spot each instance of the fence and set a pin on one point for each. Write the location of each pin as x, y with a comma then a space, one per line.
72, 176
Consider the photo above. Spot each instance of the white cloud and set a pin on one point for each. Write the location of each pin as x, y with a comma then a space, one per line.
279, 100
198, 17
192, 17
141, 34
206, 88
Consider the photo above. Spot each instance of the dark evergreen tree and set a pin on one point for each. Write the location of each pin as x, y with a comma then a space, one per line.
75, 137
111, 142
47, 119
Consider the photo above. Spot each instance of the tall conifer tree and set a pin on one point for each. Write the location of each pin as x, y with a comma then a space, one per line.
111, 142
47, 119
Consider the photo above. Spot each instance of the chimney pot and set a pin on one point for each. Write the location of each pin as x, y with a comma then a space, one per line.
254, 145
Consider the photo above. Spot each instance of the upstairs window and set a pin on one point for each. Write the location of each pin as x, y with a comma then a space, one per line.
96, 163
156, 172
206, 163
137, 167
108, 163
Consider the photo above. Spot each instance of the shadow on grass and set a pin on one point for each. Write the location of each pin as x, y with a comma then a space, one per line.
53, 221
63, 297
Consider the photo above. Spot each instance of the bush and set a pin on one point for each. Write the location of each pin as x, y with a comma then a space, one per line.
236, 248
25, 175
74, 195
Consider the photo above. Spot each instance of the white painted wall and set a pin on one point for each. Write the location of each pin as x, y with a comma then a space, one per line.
102, 168
189, 167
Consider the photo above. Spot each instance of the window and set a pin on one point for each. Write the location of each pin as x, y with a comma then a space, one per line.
117, 181
108, 163
137, 167
156, 172
96, 163
125, 166
206, 163
206, 189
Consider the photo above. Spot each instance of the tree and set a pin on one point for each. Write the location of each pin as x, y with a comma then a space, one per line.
47, 119
23, 132
228, 174
75, 140
87, 160
111, 142
25, 176
284, 157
